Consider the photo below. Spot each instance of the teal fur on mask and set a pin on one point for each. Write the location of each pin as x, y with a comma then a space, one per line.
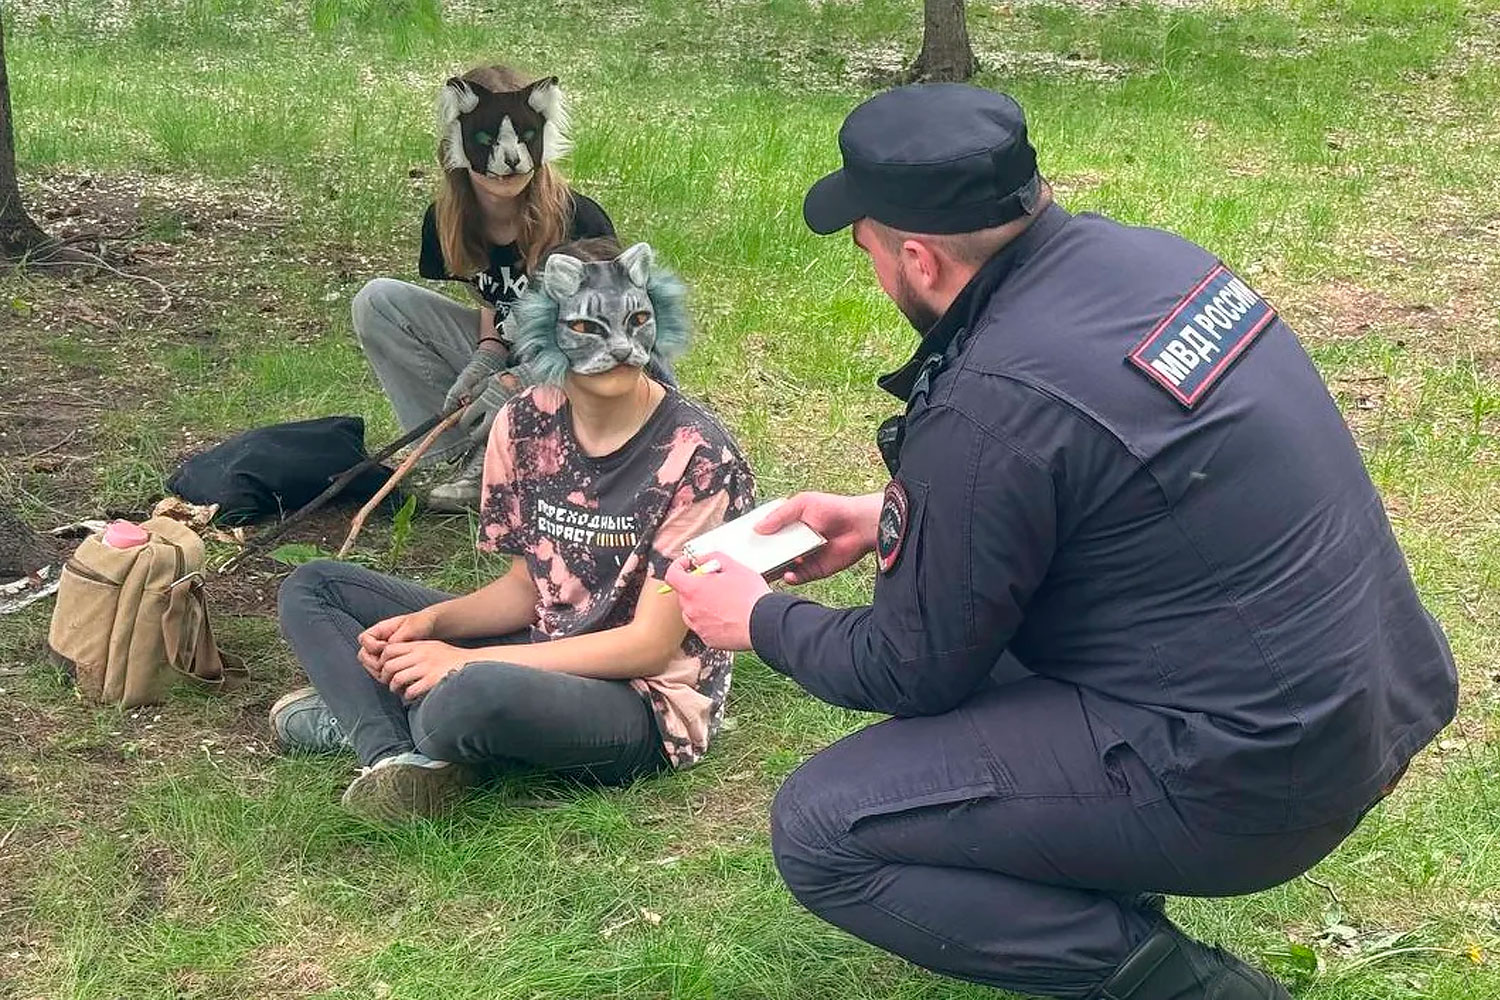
536, 316
535, 339
674, 327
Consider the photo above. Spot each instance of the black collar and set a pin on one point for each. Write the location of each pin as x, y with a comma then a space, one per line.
975, 295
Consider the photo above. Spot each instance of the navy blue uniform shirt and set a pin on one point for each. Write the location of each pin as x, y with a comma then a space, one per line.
1123, 468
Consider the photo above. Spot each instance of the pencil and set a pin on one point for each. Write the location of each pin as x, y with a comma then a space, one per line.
712, 566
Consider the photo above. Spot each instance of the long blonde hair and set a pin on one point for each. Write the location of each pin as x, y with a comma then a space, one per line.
545, 203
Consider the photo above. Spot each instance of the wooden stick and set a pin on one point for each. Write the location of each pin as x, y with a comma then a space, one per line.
261, 542
396, 477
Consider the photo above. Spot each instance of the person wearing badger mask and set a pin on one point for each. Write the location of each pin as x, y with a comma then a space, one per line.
573, 661
502, 205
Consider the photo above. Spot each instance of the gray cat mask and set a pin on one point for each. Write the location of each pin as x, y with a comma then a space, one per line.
588, 317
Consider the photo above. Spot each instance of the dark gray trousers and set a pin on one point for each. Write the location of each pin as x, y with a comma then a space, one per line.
486, 712
1003, 842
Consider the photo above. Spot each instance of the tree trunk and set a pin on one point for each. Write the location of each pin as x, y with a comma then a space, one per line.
20, 238
946, 55
22, 550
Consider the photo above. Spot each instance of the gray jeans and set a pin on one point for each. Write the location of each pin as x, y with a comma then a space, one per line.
417, 342
486, 712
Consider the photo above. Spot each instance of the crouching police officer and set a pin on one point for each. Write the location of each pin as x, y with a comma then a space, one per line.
1118, 465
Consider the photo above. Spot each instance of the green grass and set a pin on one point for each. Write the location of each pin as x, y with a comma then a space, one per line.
1345, 156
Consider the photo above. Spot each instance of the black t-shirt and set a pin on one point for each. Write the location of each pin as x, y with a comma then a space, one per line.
505, 279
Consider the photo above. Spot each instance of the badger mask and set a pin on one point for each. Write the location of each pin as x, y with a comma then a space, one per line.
506, 133
588, 317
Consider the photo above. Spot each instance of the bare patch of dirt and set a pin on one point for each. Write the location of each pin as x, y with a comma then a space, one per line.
1348, 310
1070, 66
1457, 317
86, 207
23, 550
251, 588
884, 62
49, 420
1361, 398
74, 341
1102, 5
177, 254
282, 973
154, 867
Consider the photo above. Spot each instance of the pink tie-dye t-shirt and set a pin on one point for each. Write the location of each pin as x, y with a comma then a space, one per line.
593, 529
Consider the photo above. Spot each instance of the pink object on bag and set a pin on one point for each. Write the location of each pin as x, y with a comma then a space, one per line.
125, 535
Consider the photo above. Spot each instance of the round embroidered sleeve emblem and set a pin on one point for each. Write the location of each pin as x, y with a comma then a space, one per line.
891, 532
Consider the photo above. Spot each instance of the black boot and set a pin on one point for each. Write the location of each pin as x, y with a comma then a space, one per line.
1169, 965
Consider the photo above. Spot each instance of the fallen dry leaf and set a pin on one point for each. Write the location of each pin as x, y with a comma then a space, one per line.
195, 516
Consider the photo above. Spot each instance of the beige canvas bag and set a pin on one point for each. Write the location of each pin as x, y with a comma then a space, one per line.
129, 621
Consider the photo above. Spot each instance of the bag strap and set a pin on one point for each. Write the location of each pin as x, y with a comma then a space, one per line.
188, 637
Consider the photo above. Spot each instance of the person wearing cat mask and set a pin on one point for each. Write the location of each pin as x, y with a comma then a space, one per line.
1139, 621
501, 205
573, 661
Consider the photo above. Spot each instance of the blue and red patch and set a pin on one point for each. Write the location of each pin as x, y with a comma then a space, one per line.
1190, 350
890, 534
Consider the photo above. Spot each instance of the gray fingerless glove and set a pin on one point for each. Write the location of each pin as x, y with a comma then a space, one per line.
480, 416
482, 364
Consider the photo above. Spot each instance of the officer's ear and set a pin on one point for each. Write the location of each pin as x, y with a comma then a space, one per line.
924, 264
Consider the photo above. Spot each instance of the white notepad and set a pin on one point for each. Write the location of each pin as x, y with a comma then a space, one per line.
765, 554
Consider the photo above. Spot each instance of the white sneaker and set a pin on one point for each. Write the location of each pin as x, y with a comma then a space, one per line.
406, 786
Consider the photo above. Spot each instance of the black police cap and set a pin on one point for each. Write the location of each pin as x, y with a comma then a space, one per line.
929, 158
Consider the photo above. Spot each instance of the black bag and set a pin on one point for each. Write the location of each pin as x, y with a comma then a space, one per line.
272, 471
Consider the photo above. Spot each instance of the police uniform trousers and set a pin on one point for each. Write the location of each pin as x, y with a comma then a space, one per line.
1004, 842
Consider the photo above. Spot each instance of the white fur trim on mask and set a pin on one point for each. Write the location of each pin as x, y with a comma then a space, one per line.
508, 142
637, 261
548, 101
561, 276
452, 101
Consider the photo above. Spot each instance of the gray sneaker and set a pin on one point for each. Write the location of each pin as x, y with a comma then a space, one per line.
461, 493
303, 723
406, 786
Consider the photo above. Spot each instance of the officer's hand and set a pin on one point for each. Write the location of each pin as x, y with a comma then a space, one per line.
849, 524
717, 605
